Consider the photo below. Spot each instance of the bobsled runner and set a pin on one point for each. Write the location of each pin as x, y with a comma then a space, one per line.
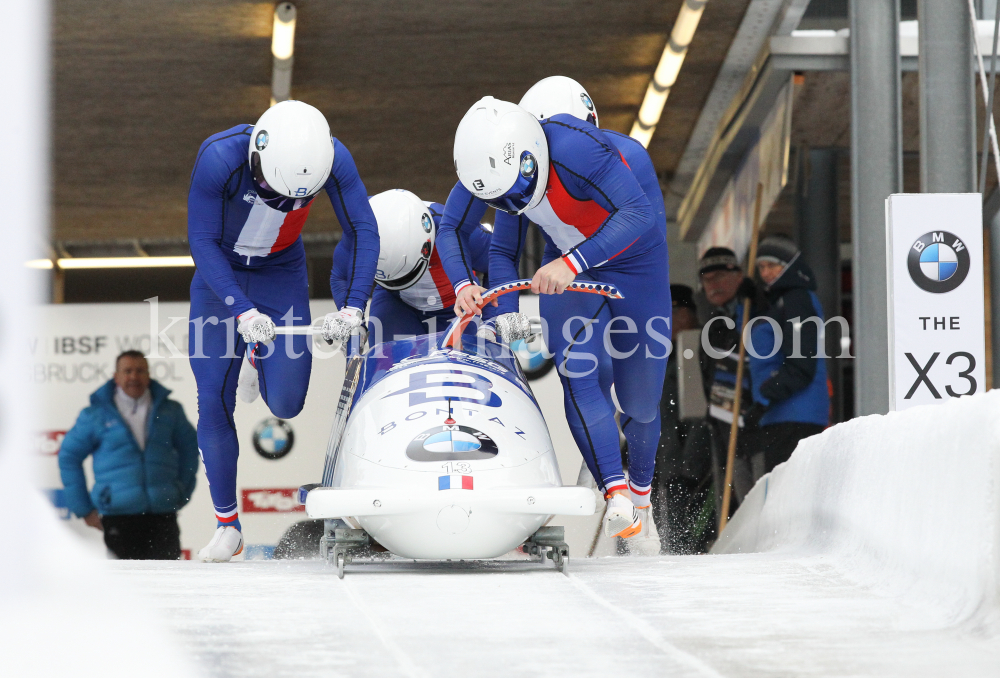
439, 451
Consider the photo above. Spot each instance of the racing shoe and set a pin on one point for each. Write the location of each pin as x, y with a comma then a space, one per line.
248, 386
622, 518
646, 542
226, 543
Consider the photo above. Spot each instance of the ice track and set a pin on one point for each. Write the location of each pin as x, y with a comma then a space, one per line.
875, 551
729, 615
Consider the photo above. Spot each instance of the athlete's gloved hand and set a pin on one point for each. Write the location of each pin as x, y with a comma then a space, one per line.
553, 278
508, 326
255, 327
468, 300
337, 326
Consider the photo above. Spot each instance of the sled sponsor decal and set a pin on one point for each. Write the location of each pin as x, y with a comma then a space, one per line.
451, 442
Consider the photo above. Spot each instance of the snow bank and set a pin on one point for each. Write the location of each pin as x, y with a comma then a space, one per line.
61, 613
907, 503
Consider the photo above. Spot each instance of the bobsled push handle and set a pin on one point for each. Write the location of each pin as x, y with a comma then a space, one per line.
361, 346
453, 337
307, 330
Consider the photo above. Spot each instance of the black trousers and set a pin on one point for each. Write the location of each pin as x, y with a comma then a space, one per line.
778, 441
147, 536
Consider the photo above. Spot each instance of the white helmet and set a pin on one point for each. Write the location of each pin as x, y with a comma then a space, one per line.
291, 151
502, 156
406, 233
559, 94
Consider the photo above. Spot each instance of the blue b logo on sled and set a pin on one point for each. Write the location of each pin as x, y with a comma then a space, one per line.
938, 262
448, 385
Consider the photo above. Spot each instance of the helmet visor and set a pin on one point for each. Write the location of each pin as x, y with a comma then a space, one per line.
516, 199
264, 189
406, 280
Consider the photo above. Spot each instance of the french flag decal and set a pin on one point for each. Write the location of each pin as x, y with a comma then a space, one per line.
454, 482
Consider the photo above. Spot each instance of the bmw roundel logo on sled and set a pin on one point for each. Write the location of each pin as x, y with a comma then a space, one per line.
273, 438
261, 141
938, 262
450, 442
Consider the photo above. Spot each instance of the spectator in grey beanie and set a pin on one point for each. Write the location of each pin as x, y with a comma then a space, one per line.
790, 393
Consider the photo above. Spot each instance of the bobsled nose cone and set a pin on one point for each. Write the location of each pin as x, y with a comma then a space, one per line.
452, 519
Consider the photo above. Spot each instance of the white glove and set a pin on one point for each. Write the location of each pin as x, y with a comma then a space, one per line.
255, 327
509, 327
338, 326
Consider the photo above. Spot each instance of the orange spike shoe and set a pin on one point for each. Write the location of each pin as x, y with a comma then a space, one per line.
621, 518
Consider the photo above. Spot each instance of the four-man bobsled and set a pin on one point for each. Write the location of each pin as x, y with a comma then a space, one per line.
439, 451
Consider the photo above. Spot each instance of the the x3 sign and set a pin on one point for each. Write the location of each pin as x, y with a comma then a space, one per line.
936, 311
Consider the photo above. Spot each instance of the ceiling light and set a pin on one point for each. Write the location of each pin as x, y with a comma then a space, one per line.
667, 70
282, 47
112, 262
283, 34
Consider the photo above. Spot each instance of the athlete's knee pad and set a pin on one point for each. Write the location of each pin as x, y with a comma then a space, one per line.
643, 413
639, 394
286, 405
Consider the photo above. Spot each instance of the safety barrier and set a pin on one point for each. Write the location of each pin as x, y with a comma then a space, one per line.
908, 503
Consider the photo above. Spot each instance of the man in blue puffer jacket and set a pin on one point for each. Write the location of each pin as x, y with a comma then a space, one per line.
791, 400
145, 462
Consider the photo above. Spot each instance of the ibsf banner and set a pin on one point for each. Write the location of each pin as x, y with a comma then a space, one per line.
937, 325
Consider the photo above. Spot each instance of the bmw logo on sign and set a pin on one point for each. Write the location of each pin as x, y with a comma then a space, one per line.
273, 438
451, 442
938, 262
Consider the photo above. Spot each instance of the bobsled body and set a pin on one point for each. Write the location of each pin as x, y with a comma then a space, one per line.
444, 453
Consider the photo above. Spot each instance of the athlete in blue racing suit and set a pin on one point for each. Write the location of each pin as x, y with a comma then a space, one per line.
246, 244
602, 218
424, 307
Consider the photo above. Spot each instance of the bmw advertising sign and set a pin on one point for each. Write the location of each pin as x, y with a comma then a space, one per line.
273, 438
937, 325
938, 262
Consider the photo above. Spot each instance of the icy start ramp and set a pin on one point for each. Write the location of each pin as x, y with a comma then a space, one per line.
746, 616
876, 556
907, 504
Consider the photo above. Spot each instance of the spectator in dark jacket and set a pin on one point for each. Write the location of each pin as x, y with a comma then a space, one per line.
725, 289
791, 400
145, 462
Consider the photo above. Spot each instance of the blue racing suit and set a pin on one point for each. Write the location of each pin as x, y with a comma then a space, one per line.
603, 213
426, 306
248, 253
